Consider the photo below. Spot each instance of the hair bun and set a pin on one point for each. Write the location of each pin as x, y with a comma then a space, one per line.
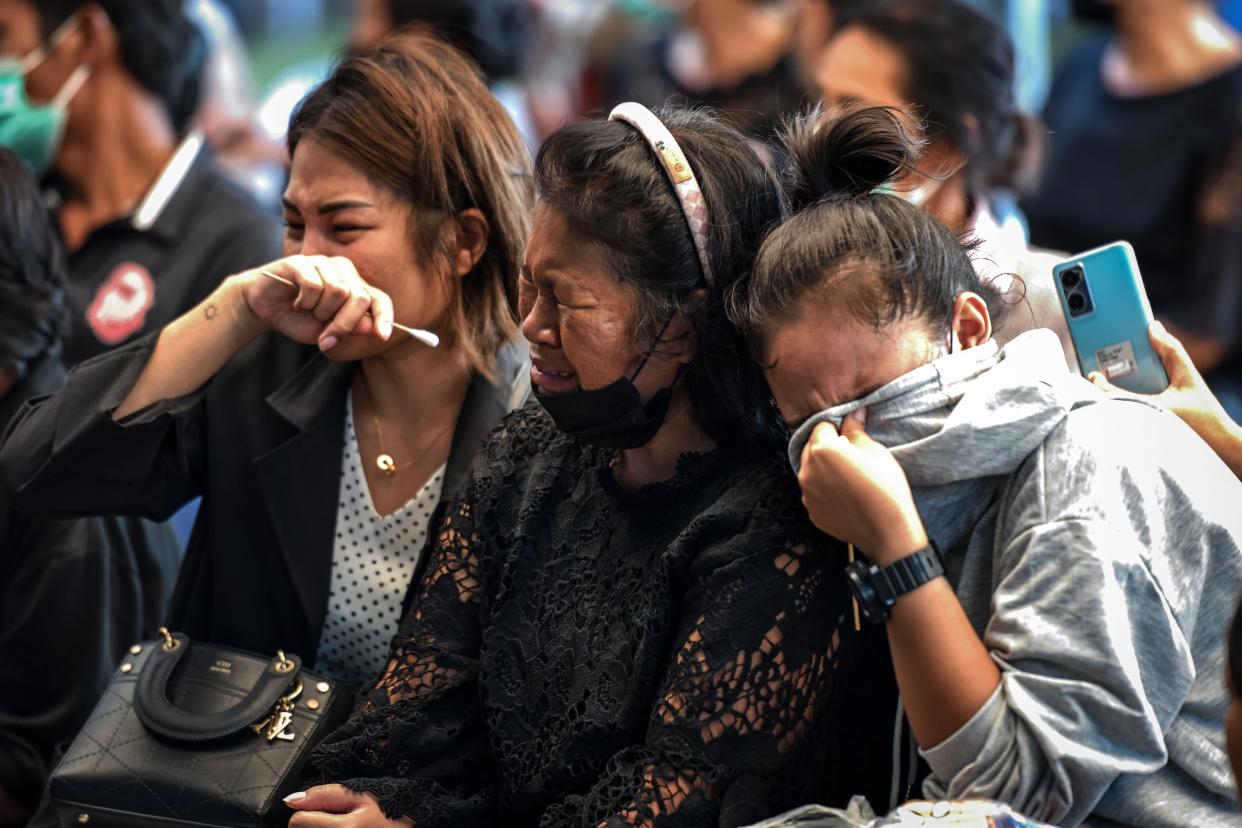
845, 153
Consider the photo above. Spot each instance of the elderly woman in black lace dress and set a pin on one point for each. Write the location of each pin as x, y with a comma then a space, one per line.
628, 619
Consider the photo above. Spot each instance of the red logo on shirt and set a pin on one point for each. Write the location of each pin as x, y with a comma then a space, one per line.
120, 307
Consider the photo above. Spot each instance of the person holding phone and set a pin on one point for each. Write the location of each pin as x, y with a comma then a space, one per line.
1143, 143
1053, 566
1189, 397
321, 437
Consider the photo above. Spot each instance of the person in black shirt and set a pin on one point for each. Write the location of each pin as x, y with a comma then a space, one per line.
74, 591
1145, 144
151, 225
627, 619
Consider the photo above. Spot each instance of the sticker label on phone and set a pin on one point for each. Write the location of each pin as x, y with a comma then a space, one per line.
1117, 360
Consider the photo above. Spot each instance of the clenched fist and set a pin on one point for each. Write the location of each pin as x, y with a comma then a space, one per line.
854, 490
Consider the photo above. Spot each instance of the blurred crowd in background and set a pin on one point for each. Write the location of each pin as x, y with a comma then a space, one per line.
551, 61
554, 60
1091, 144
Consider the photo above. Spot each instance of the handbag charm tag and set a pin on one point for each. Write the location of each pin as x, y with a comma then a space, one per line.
275, 725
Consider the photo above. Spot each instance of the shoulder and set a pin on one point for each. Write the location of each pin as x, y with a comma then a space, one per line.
1124, 434
527, 442
763, 491
1125, 466
524, 432
758, 515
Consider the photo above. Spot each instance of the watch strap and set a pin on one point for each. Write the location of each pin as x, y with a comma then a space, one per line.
912, 571
876, 590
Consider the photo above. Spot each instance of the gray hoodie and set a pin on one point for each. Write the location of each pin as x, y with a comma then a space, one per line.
1093, 542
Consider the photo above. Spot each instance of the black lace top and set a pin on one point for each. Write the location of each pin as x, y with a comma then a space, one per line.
583, 655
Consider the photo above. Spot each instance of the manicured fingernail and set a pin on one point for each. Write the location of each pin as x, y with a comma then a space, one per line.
296, 796
327, 343
385, 329
860, 414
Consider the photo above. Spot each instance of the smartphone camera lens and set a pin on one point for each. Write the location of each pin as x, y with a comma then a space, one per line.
1077, 291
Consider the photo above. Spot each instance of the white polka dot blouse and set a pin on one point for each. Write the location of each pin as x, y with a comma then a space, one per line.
373, 560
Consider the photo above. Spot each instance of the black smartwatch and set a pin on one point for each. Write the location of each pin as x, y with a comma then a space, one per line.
876, 589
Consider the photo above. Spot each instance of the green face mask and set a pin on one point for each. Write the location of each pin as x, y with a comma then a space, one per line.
34, 131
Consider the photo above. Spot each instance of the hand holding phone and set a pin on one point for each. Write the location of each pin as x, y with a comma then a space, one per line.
1189, 397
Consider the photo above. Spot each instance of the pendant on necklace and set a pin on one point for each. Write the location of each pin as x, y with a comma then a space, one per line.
386, 465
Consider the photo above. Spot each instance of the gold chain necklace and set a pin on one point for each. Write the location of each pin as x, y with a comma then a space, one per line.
384, 461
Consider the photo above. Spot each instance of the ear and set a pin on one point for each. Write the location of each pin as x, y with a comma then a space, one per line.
472, 232
100, 42
971, 323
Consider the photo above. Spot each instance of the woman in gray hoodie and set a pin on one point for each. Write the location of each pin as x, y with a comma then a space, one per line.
1055, 567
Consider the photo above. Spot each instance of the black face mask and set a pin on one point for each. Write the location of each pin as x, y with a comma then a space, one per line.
610, 417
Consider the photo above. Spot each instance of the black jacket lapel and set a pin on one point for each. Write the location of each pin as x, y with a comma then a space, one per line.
300, 481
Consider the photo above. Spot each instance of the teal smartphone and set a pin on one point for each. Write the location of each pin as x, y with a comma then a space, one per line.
1106, 308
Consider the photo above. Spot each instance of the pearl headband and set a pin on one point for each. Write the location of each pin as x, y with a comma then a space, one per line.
661, 141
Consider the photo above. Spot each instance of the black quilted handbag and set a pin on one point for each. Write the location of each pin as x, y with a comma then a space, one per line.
195, 735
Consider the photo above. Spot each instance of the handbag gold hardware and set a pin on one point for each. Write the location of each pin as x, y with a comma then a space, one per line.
282, 665
275, 725
170, 643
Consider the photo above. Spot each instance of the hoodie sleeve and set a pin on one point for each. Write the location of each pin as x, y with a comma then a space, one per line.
1095, 664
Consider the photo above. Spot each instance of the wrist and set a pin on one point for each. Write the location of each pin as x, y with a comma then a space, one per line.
877, 587
234, 301
897, 544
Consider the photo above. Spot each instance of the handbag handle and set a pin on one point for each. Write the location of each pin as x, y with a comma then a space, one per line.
158, 714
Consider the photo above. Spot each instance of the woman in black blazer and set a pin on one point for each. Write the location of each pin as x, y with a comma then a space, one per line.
408, 202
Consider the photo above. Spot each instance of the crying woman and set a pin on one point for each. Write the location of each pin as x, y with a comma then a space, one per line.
1055, 568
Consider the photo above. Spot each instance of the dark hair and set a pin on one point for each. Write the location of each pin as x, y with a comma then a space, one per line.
873, 254
414, 116
160, 45
1235, 652
611, 188
494, 33
960, 79
32, 270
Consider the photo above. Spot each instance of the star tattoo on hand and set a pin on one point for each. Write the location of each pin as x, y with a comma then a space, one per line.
210, 311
